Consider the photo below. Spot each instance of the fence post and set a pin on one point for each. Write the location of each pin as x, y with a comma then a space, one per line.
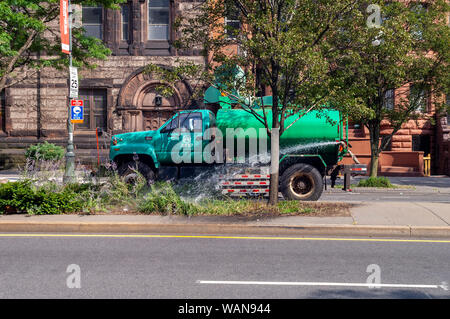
427, 165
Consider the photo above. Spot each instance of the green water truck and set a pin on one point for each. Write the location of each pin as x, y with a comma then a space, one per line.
310, 148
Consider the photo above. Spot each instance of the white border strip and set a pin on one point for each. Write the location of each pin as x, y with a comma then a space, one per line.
331, 284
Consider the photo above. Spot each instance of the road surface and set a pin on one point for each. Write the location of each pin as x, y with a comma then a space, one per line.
155, 266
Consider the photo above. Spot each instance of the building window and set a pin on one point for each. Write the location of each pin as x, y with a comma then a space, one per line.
232, 22
389, 100
95, 110
418, 98
93, 22
419, 10
158, 19
125, 17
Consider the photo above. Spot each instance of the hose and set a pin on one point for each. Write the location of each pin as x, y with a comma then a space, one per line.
350, 152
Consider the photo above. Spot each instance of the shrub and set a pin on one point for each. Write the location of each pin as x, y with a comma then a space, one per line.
375, 182
45, 151
23, 197
16, 196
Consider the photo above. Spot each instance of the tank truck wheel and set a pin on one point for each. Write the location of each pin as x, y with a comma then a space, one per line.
301, 182
128, 172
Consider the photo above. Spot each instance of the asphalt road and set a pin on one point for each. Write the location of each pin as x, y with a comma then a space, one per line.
171, 267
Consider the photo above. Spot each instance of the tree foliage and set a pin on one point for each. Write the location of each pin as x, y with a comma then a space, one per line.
281, 45
30, 39
409, 47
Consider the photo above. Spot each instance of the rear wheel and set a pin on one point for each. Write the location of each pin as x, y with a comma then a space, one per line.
301, 182
129, 171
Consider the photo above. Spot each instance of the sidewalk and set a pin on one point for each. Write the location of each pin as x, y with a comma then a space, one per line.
380, 219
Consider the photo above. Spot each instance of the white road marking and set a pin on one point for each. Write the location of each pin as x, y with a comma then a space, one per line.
443, 286
396, 197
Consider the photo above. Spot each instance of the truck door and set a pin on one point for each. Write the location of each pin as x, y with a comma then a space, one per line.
169, 137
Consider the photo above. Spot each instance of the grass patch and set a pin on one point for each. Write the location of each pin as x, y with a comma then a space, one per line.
243, 208
115, 196
381, 182
164, 200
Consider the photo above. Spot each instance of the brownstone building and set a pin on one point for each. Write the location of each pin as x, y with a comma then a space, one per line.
427, 137
117, 95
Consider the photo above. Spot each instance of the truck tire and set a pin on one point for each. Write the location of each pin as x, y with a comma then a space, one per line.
128, 172
301, 182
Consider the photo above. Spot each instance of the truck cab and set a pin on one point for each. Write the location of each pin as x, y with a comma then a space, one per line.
182, 136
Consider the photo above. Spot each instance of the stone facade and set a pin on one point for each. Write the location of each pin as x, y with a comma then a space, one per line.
118, 95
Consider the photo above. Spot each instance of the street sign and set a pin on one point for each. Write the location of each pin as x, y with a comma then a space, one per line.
64, 26
76, 111
73, 94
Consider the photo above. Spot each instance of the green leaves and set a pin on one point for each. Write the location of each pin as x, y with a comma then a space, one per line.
30, 26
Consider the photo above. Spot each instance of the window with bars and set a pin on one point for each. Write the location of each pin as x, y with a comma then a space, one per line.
158, 19
93, 21
125, 19
95, 109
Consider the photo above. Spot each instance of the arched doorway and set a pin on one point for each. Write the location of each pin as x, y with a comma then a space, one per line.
156, 109
143, 108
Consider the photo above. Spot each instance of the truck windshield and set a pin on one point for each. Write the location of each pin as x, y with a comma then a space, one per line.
172, 125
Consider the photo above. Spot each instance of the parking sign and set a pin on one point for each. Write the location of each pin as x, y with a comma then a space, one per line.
73, 92
76, 111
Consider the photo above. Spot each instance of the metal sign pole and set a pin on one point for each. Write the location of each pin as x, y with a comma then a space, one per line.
69, 174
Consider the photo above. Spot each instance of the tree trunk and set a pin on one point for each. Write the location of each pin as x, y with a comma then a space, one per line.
374, 129
374, 166
274, 165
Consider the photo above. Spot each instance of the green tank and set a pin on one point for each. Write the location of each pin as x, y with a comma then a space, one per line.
316, 132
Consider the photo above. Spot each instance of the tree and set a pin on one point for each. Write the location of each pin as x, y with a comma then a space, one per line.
29, 39
404, 48
280, 45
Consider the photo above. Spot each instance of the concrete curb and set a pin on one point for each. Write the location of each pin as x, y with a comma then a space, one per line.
222, 229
